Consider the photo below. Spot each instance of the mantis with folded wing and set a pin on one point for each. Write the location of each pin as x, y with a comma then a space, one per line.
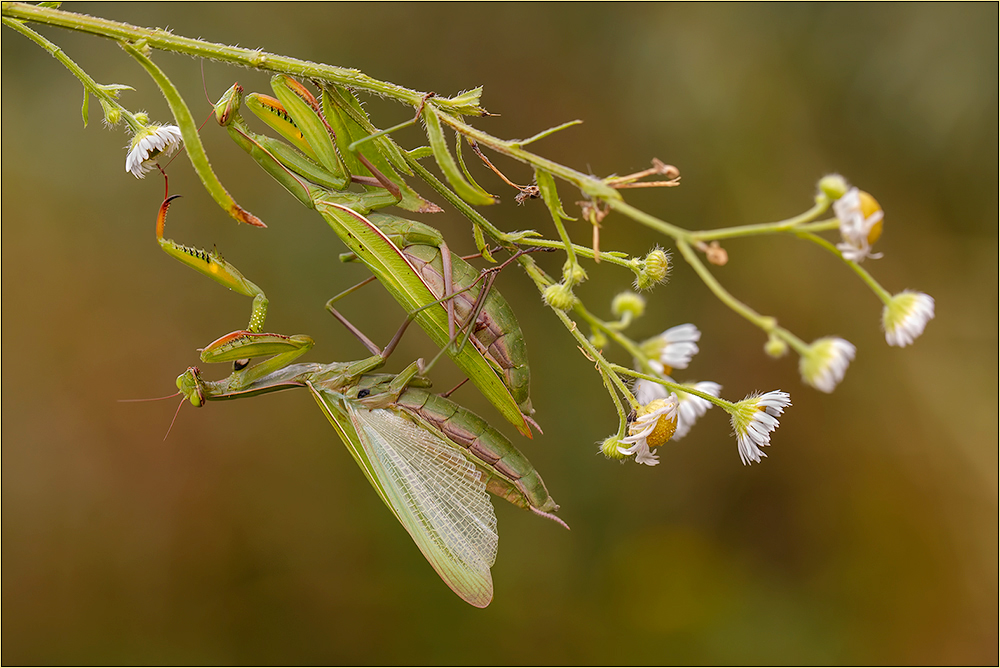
431, 461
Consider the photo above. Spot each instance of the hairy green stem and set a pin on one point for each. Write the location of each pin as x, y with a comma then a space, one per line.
542, 281
91, 86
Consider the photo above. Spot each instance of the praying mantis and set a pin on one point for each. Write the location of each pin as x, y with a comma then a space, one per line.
318, 163
431, 461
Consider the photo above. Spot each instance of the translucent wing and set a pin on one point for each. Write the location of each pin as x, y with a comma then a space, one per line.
438, 497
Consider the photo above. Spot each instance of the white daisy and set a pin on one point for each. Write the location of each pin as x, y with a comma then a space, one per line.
860, 219
150, 144
905, 317
654, 425
691, 407
824, 364
673, 349
753, 421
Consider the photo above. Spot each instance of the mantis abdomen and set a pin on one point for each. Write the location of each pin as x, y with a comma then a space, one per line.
509, 474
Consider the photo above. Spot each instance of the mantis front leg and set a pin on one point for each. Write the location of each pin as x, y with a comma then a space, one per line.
239, 346
213, 265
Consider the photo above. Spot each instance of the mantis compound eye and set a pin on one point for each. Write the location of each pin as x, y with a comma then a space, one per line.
364, 393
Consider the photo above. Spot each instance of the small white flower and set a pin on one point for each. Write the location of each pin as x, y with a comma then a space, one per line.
753, 421
673, 349
825, 363
905, 317
651, 429
148, 145
691, 407
860, 219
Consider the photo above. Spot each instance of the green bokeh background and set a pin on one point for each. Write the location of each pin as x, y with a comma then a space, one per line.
869, 535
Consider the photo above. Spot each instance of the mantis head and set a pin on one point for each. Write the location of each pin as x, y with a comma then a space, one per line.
191, 386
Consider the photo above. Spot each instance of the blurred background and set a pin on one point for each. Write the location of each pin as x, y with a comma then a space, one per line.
869, 534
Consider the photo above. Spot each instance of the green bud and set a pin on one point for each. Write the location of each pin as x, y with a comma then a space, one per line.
775, 347
112, 115
559, 296
142, 117
834, 186
598, 339
573, 274
628, 302
655, 269
609, 448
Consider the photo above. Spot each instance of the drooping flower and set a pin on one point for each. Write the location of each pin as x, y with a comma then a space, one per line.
653, 426
150, 144
905, 317
860, 219
753, 421
823, 366
673, 349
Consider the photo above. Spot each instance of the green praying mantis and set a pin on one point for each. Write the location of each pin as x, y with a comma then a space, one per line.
431, 461
410, 259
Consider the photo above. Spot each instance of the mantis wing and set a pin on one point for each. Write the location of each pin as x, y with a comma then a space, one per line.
437, 495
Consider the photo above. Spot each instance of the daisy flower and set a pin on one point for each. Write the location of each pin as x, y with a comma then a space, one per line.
825, 362
860, 219
673, 349
753, 421
653, 426
905, 317
150, 144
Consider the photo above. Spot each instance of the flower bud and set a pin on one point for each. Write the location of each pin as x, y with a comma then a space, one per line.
609, 448
655, 269
628, 302
833, 186
112, 114
142, 117
573, 274
775, 347
598, 339
559, 296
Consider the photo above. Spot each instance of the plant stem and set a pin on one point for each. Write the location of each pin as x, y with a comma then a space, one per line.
787, 225
91, 86
879, 291
766, 323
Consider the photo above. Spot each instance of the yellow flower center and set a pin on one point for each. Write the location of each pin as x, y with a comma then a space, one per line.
868, 207
665, 426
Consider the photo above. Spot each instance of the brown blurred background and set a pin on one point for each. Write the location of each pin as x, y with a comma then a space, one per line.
869, 535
